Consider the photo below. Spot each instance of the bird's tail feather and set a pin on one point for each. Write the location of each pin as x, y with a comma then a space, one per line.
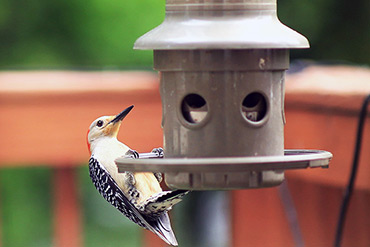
162, 227
163, 201
155, 211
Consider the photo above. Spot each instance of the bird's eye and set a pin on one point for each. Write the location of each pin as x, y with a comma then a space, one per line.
99, 123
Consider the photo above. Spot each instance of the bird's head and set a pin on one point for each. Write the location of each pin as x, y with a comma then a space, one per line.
106, 126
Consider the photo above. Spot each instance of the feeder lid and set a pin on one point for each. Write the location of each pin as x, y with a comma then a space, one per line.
239, 24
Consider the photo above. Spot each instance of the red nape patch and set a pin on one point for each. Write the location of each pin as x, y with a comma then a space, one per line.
87, 141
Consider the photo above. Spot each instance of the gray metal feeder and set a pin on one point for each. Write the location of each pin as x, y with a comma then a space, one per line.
222, 68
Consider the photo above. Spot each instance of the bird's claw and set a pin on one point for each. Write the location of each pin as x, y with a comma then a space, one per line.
158, 176
134, 194
130, 178
159, 152
132, 154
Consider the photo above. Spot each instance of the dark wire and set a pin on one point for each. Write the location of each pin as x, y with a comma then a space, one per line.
349, 189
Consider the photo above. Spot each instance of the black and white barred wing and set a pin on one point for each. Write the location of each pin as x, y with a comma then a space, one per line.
109, 189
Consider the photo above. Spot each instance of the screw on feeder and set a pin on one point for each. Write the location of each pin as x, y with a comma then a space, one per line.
222, 67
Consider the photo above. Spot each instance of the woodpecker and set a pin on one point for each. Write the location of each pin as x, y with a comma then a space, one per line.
136, 195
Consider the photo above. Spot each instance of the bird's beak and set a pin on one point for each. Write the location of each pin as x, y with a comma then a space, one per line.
112, 127
121, 115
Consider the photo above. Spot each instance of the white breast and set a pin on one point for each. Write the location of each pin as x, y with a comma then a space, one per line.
106, 150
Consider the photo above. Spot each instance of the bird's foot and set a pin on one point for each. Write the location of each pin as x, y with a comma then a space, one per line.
158, 176
132, 154
133, 193
159, 152
130, 179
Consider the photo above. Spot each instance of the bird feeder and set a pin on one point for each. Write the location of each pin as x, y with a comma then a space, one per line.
222, 67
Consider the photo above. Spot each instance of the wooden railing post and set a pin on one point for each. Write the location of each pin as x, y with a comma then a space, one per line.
67, 216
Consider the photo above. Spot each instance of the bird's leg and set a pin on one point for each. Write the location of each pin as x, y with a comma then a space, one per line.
130, 182
135, 155
133, 193
132, 154
160, 154
130, 179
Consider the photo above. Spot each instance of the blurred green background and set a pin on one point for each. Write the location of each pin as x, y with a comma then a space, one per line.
99, 35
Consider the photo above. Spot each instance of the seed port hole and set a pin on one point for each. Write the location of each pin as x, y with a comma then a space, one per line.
254, 107
194, 108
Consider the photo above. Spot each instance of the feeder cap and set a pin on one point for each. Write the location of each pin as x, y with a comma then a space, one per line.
219, 24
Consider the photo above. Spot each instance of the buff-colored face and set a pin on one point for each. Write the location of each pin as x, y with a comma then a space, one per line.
106, 126
103, 127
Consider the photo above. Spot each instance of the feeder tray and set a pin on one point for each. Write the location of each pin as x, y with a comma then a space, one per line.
213, 173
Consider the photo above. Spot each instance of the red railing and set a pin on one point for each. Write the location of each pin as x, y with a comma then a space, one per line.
45, 116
